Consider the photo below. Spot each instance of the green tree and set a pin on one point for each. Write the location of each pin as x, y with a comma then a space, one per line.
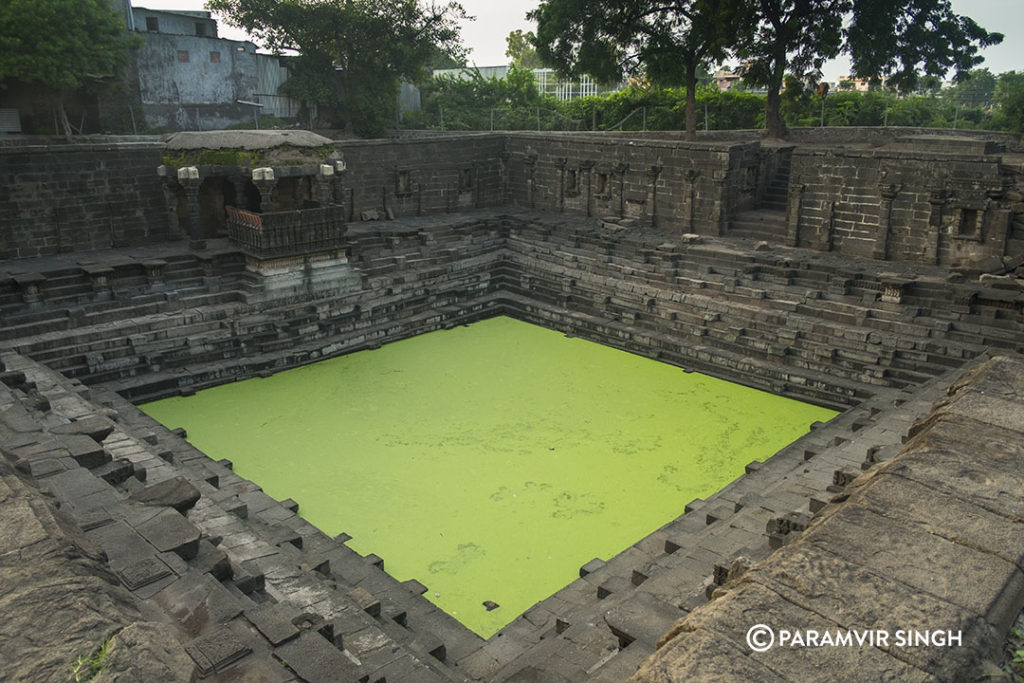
352, 53
976, 90
794, 35
1009, 100
521, 50
473, 102
665, 42
892, 39
63, 47
899, 40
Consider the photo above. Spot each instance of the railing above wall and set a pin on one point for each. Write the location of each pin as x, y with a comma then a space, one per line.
287, 233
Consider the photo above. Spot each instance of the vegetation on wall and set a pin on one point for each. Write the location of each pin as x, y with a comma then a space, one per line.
282, 155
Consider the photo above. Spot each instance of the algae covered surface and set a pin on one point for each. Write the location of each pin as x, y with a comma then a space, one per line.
489, 461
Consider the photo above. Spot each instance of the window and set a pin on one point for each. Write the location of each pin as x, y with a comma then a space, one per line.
152, 24
602, 185
201, 29
466, 179
182, 55
215, 57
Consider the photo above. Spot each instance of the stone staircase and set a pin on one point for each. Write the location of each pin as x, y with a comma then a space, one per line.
255, 590
815, 332
768, 221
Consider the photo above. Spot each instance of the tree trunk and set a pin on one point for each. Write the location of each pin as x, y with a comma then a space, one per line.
773, 114
62, 118
691, 100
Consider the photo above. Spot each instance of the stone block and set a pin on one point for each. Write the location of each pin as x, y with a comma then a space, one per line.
115, 472
365, 601
216, 651
248, 577
212, 560
856, 598
642, 617
591, 567
614, 584
169, 531
177, 493
84, 450
314, 659
143, 573
898, 551
199, 601
96, 427
79, 486
429, 644
274, 622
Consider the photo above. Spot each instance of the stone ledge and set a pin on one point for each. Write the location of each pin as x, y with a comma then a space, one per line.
911, 548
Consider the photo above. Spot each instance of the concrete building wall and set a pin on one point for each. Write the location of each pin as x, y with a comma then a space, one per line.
178, 23
191, 82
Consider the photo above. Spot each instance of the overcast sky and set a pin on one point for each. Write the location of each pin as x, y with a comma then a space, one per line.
485, 37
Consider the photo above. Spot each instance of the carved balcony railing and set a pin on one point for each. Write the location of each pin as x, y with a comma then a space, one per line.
287, 233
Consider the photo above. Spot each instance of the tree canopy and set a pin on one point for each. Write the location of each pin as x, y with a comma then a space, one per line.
896, 40
62, 46
520, 50
352, 53
666, 43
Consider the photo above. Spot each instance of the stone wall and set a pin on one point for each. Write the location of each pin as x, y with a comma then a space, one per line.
60, 198
905, 202
690, 187
949, 505
423, 176
935, 200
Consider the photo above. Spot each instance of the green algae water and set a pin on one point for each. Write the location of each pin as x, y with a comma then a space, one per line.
490, 461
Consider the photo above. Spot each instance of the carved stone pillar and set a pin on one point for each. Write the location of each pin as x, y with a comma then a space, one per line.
30, 285
796, 204
155, 273
324, 185
99, 279
503, 177
587, 167
889, 193
188, 177
937, 201
531, 170
265, 182
561, 162
830, 227
653, 172
340, 167
169, 185
720, 211
997, 216
690, 176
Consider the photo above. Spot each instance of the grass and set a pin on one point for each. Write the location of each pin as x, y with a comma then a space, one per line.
87, 667
1015, 654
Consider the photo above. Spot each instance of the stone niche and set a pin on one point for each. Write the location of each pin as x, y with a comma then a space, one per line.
274, 194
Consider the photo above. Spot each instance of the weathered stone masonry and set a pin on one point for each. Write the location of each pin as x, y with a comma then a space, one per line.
625, 242
64, 198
